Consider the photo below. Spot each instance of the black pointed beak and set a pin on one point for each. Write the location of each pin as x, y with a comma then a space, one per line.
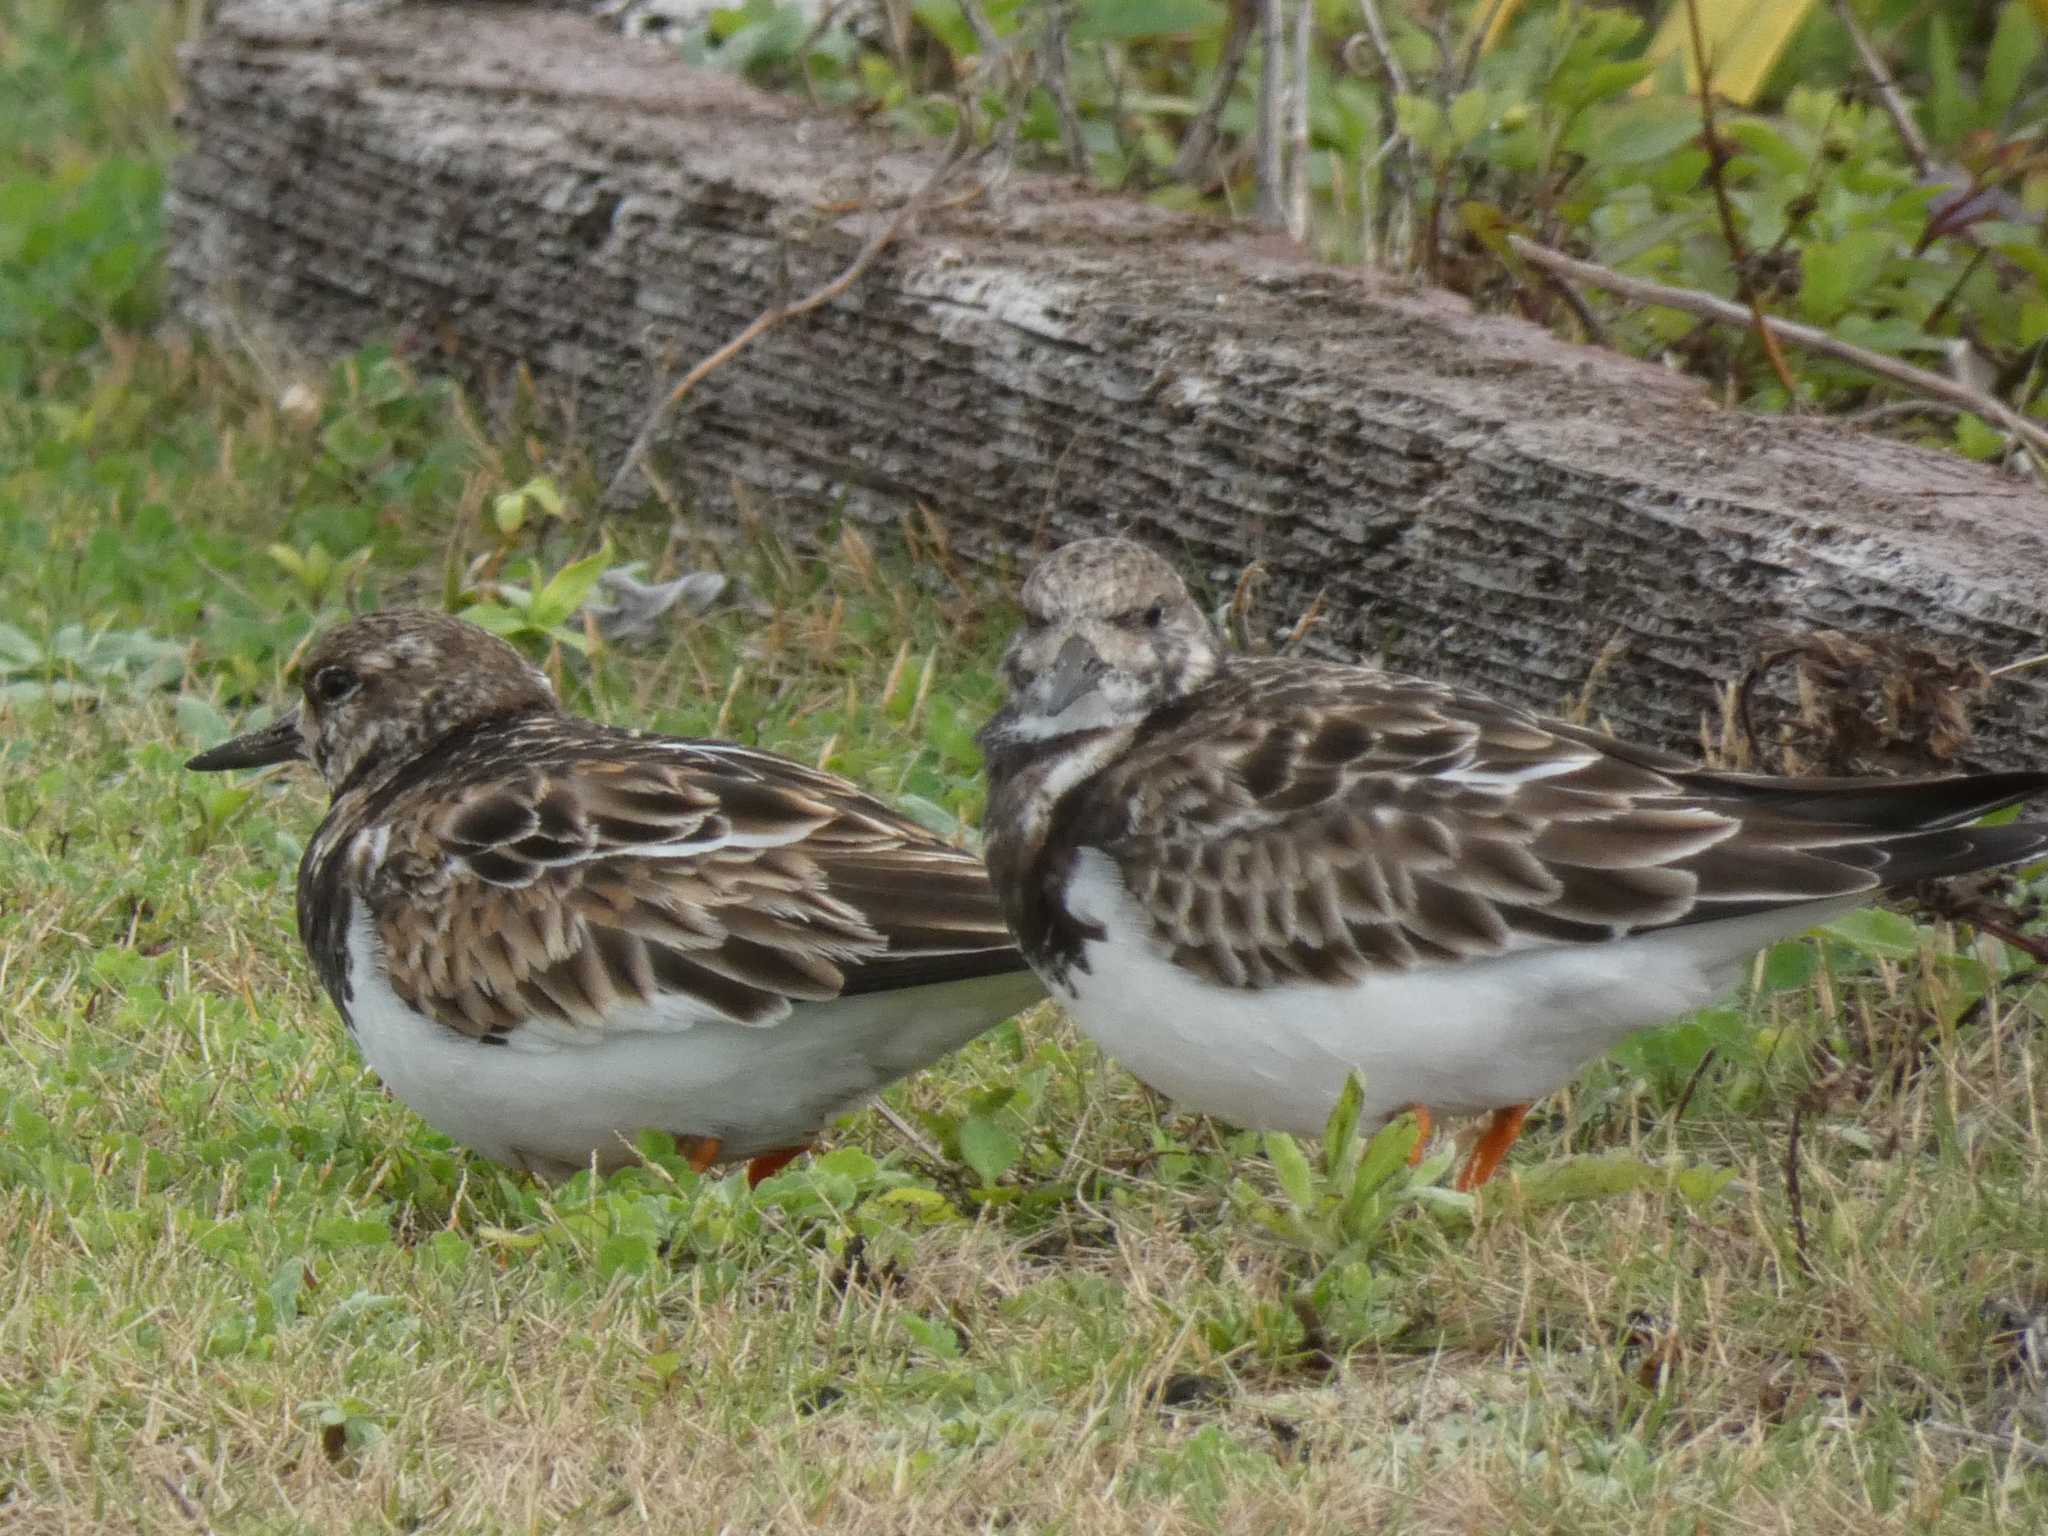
1074, 672
277, 742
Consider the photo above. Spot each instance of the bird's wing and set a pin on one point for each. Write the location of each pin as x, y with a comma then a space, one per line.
1323, 822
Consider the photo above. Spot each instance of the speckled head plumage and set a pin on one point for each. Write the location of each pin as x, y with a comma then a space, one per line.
380, 689
1110, 634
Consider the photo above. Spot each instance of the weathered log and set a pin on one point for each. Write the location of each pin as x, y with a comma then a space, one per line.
1475, 498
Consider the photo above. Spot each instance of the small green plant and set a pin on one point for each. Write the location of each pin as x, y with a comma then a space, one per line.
75, 662
544, 609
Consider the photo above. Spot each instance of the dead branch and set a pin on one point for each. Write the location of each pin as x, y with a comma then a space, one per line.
1738, 253
1692, 302
917, 203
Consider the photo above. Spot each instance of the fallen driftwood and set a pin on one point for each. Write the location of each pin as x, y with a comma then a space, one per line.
1470, 496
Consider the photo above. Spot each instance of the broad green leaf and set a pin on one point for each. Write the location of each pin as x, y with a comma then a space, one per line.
2014, 48
1788, 965
18, 653
1876, 932
568, 587
1838, 273
934, 1338
1422, 120
846, 1162
630, 1253
1469, 115
987, 1148
200, 720
1291, 1167
1977, 438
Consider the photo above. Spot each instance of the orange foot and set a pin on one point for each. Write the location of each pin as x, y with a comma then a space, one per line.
1502, 1127
700, 1152
1421, 1114
769, 1164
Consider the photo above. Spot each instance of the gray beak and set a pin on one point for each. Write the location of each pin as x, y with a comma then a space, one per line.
277, 742
1074, 672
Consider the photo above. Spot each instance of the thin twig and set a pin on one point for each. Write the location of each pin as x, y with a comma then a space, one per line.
1793, 1194
985, 33
185, 1506
1708, 307
1297, 103
1930, 170
1893, 410
1738, 256
1377, 31
922, 1144
918, 203
1052, 70
2028, 1450
1270, 208
1887, 91
1199, 143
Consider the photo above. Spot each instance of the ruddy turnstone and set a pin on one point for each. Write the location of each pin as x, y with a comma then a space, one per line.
546, 934
1247, 877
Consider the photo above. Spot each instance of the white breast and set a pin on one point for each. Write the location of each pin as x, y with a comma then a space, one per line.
1459, 1039
551, 1099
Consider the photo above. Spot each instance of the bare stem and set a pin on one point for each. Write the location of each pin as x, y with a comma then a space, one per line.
1707, 306
917, 203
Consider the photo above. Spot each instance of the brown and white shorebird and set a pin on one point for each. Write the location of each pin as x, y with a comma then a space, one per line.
1247, 877
546, 934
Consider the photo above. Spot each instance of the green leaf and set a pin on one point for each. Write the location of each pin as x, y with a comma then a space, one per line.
18, 653
1977, 438
1422, 120
2014, 47
1340, 1131
1469, 115
1839, 273
1948, 111
1874, 931
568, 587
935, 1338
200, 720
625, 1252
1789, 965
1387, 1154
1297, 1180
1112, 21
987, 1148
1593, 1177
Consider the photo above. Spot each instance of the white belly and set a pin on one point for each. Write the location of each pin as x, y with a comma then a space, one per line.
1459, 1039
550, 1099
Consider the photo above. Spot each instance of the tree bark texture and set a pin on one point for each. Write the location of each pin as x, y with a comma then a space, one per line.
1472, 497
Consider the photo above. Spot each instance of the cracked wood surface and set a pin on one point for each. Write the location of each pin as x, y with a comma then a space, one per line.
1474, 498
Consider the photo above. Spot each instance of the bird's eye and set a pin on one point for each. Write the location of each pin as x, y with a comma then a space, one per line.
333, 684
1155, 616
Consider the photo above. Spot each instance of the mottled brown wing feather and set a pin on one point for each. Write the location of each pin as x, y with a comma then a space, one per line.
1298, 821
579, 884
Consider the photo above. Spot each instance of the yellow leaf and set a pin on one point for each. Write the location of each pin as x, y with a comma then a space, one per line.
1743, 38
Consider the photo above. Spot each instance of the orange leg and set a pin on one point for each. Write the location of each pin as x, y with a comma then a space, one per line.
700, 1152
1502, 1127
1422, 1123
770, 1163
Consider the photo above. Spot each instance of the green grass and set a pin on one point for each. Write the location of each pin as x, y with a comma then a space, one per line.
244, 1290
